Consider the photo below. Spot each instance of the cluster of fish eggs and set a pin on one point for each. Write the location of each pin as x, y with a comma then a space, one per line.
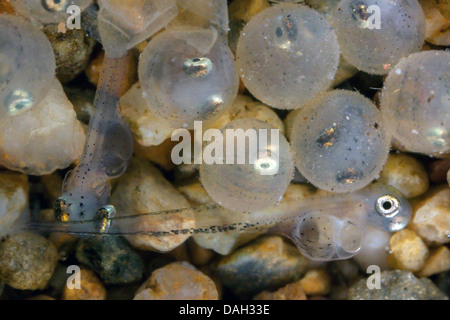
287, 57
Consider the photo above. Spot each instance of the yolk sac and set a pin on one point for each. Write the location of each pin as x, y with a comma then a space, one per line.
340, 141
188, 72
48, 11
375, 34
247, 185
416, 96
27, 65
286, 55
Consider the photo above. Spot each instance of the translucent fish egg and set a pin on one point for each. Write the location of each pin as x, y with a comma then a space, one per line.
247, 186
339, 141
416, 95
48, 11
374, 34
188, 75
286, 55
27, 65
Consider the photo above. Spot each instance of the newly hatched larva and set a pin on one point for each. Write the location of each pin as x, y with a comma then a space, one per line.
326, 227
27, 65
253, 176
188, 72
287, 54
416, 96
48, 11
375, 34
340, 141
109, 143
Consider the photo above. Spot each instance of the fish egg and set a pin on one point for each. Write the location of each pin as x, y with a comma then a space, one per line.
416, 96
375, 34
287, 54
188, 75
27, 65
339, 141
254, 170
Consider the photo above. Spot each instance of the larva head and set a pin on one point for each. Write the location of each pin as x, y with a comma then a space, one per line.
388, 209
73, 206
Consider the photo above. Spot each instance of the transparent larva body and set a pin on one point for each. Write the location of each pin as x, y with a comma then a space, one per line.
416, 96
340, 141
286, 55
188, 72
323, 227
27, 65
243, 183
375, 34
49, 11
109, 143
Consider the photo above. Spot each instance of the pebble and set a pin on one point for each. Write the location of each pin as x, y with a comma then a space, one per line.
406, 174
316, 282
111, 258
160, 154
143, 189
444, 7
177, 281
245, 107
72, 50
91, 288
6, 7
407, 251
265, 264
49, 135
27, 261
439, 261
199, 256
437, 171
292, 291
13, 198
443, 282
431, 216
82, 100
438, 26
397, 285
147, 128
52, 186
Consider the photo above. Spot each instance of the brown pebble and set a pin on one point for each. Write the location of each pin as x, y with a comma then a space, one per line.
91, 288
439, 261
292, 291
316, 283
177, 281
437, 171
408, 251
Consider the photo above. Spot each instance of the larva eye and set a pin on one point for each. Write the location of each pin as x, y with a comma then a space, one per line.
387, 206
104, 215
54, 5
62, 210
